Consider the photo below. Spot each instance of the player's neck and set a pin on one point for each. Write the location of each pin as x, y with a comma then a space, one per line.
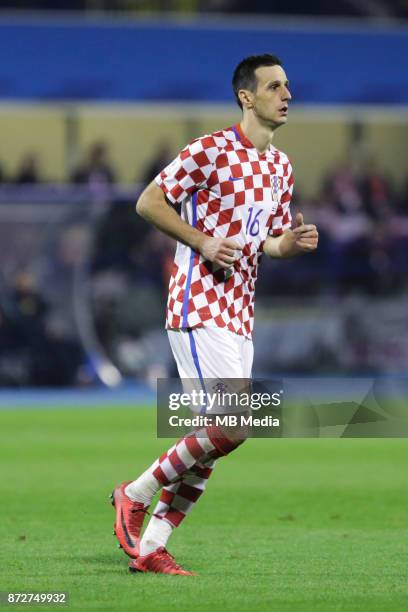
260, 135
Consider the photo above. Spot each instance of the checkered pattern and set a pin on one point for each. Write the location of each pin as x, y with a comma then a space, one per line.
172, 464
184, 469
205, 442
183, 472
225, 188
178, 499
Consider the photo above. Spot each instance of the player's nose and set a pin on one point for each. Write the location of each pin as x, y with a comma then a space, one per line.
287, 95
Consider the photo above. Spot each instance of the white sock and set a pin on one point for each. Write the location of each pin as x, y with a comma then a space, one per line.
156, 534
144, 488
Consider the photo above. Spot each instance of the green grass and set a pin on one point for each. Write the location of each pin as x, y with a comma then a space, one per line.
285, 524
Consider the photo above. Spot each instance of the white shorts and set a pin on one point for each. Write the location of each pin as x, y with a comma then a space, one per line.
211, 352
212, 360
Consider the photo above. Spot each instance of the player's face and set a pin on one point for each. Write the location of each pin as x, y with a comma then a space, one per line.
272, 96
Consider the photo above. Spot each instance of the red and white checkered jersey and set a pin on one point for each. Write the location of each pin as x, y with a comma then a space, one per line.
225, 188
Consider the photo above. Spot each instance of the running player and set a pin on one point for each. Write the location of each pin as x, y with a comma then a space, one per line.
225, 199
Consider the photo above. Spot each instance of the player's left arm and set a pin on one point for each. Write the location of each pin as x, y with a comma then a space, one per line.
302, 239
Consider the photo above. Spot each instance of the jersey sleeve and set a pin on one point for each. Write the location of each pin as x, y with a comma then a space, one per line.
282, 220
189, 171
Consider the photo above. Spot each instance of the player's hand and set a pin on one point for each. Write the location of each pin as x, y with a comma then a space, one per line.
306, 236
221, 251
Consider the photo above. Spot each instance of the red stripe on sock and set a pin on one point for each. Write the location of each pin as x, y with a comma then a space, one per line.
193, 447
188, 492
202, 472
174, 516
160, 476
166, 497
223, 445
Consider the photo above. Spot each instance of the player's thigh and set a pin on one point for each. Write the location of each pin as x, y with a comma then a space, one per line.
208, 353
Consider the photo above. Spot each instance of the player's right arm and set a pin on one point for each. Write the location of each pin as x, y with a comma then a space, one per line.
153, 206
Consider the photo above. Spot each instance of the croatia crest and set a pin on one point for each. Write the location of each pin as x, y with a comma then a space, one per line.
275, 183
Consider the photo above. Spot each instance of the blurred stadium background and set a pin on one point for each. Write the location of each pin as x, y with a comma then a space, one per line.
93, 103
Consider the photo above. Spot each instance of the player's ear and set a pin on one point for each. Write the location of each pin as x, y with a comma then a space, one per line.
246, 98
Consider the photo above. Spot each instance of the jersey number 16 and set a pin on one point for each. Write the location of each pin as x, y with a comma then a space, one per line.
252, 226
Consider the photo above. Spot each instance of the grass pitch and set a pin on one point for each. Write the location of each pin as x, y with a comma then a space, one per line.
284, 525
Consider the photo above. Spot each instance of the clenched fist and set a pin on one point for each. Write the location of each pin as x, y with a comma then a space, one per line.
221, 251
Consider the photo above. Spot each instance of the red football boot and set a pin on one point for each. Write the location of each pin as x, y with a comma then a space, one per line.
129, 520
160, 562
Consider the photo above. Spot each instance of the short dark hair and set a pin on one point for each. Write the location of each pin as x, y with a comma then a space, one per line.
244, 74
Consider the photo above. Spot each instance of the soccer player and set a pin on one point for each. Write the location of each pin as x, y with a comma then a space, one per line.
225, 199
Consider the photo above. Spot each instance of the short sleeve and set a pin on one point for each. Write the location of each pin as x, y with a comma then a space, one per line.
282, 220
189, 171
